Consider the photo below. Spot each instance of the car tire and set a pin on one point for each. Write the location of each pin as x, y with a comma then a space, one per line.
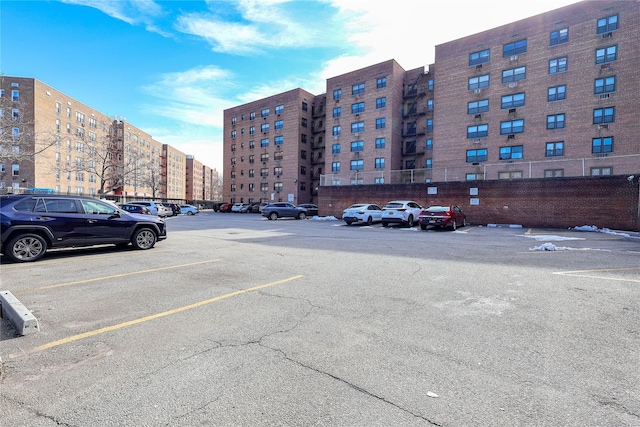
144, 238
423, 227
464, 222
349, 222
369, 221
410, 221
190, 213
454, 225
26, 247
273, 216
302, 215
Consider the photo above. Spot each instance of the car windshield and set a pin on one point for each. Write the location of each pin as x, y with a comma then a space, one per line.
394, 206
356, 206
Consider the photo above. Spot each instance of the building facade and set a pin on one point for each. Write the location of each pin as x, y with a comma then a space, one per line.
549, 96
267, 149
52, 141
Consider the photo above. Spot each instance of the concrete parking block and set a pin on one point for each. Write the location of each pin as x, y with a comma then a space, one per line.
22, 320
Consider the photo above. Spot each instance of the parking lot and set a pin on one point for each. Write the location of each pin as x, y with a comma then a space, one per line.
235, 320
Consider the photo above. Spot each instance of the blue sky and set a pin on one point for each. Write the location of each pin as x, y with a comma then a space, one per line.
172, 67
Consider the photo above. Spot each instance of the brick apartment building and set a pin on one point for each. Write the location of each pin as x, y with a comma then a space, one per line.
56, 142
549, 96
268, 148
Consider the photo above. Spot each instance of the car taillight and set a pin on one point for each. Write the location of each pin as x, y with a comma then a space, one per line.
401, 210
447, 213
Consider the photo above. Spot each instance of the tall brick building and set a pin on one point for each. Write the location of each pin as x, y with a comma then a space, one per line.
549, 96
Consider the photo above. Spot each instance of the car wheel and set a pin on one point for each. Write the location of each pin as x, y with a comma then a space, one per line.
464, 222
26, 248
454, 226
410, 221
349, 222
423, 227
369, 221
144, 238
273, 216
384, 224
189, 213
302, 215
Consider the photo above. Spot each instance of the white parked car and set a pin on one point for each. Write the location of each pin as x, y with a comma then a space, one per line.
403, 212
362, 212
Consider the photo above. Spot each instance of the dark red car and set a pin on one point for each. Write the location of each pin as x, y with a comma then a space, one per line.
225, 207
442, 216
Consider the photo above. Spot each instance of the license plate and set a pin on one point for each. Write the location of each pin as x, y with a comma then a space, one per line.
433, 221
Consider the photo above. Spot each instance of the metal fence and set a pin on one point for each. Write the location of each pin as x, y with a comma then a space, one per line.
594, 166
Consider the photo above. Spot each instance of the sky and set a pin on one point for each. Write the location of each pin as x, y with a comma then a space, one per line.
171, 68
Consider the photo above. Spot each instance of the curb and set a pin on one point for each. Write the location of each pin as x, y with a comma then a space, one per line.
17, 314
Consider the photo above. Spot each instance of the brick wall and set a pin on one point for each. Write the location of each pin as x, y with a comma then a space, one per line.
606, 202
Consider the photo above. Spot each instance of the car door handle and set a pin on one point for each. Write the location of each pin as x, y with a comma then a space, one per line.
44, 218
91, 221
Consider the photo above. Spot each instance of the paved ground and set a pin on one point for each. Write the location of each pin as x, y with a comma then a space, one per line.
235, 320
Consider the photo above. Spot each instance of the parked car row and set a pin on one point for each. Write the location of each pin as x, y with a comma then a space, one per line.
162, 210
406, 213
30, 224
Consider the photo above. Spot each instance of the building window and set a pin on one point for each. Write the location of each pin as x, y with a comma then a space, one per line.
336, 131
477, 107
279, 109
379, 162
264, 186
279, 124
15, 134
303, 154
264, 128
252, 144
605, 25
514, 48
380, 143
264, 142
430, 84
555, 121
305, 106
15, 95
337, 94
480, 57
429, 144
410, 164
606, 54
475, 156
337, 112
303, 122
429, 124
252, 116
380, 123
510, 175
510, 153
514, 74
357, 127
381, 102
252, 130
604, 85
555, 149
378, 180
357, 146
604, 115
512, 126
278, 155
479, 82
264, 113
233, 120
277, 187
428, 163
553, 173
558, 65
335, 167
278, 140
477, 131
264, 172
357, 108
557, 93
605, 171
335, 149
233, 134
357, 89
602, 145
512, 101
264, 157
559, 37
381, 82
303, 170
473, 177
429, 104
357, 165
252, 158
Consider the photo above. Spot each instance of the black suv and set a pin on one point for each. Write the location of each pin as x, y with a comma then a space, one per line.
30, 224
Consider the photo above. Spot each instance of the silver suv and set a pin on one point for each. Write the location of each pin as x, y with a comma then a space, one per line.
156, 208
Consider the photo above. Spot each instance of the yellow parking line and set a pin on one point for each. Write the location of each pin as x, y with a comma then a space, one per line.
156, 316
113, 276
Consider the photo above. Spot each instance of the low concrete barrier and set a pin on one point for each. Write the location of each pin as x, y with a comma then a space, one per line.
17, 314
